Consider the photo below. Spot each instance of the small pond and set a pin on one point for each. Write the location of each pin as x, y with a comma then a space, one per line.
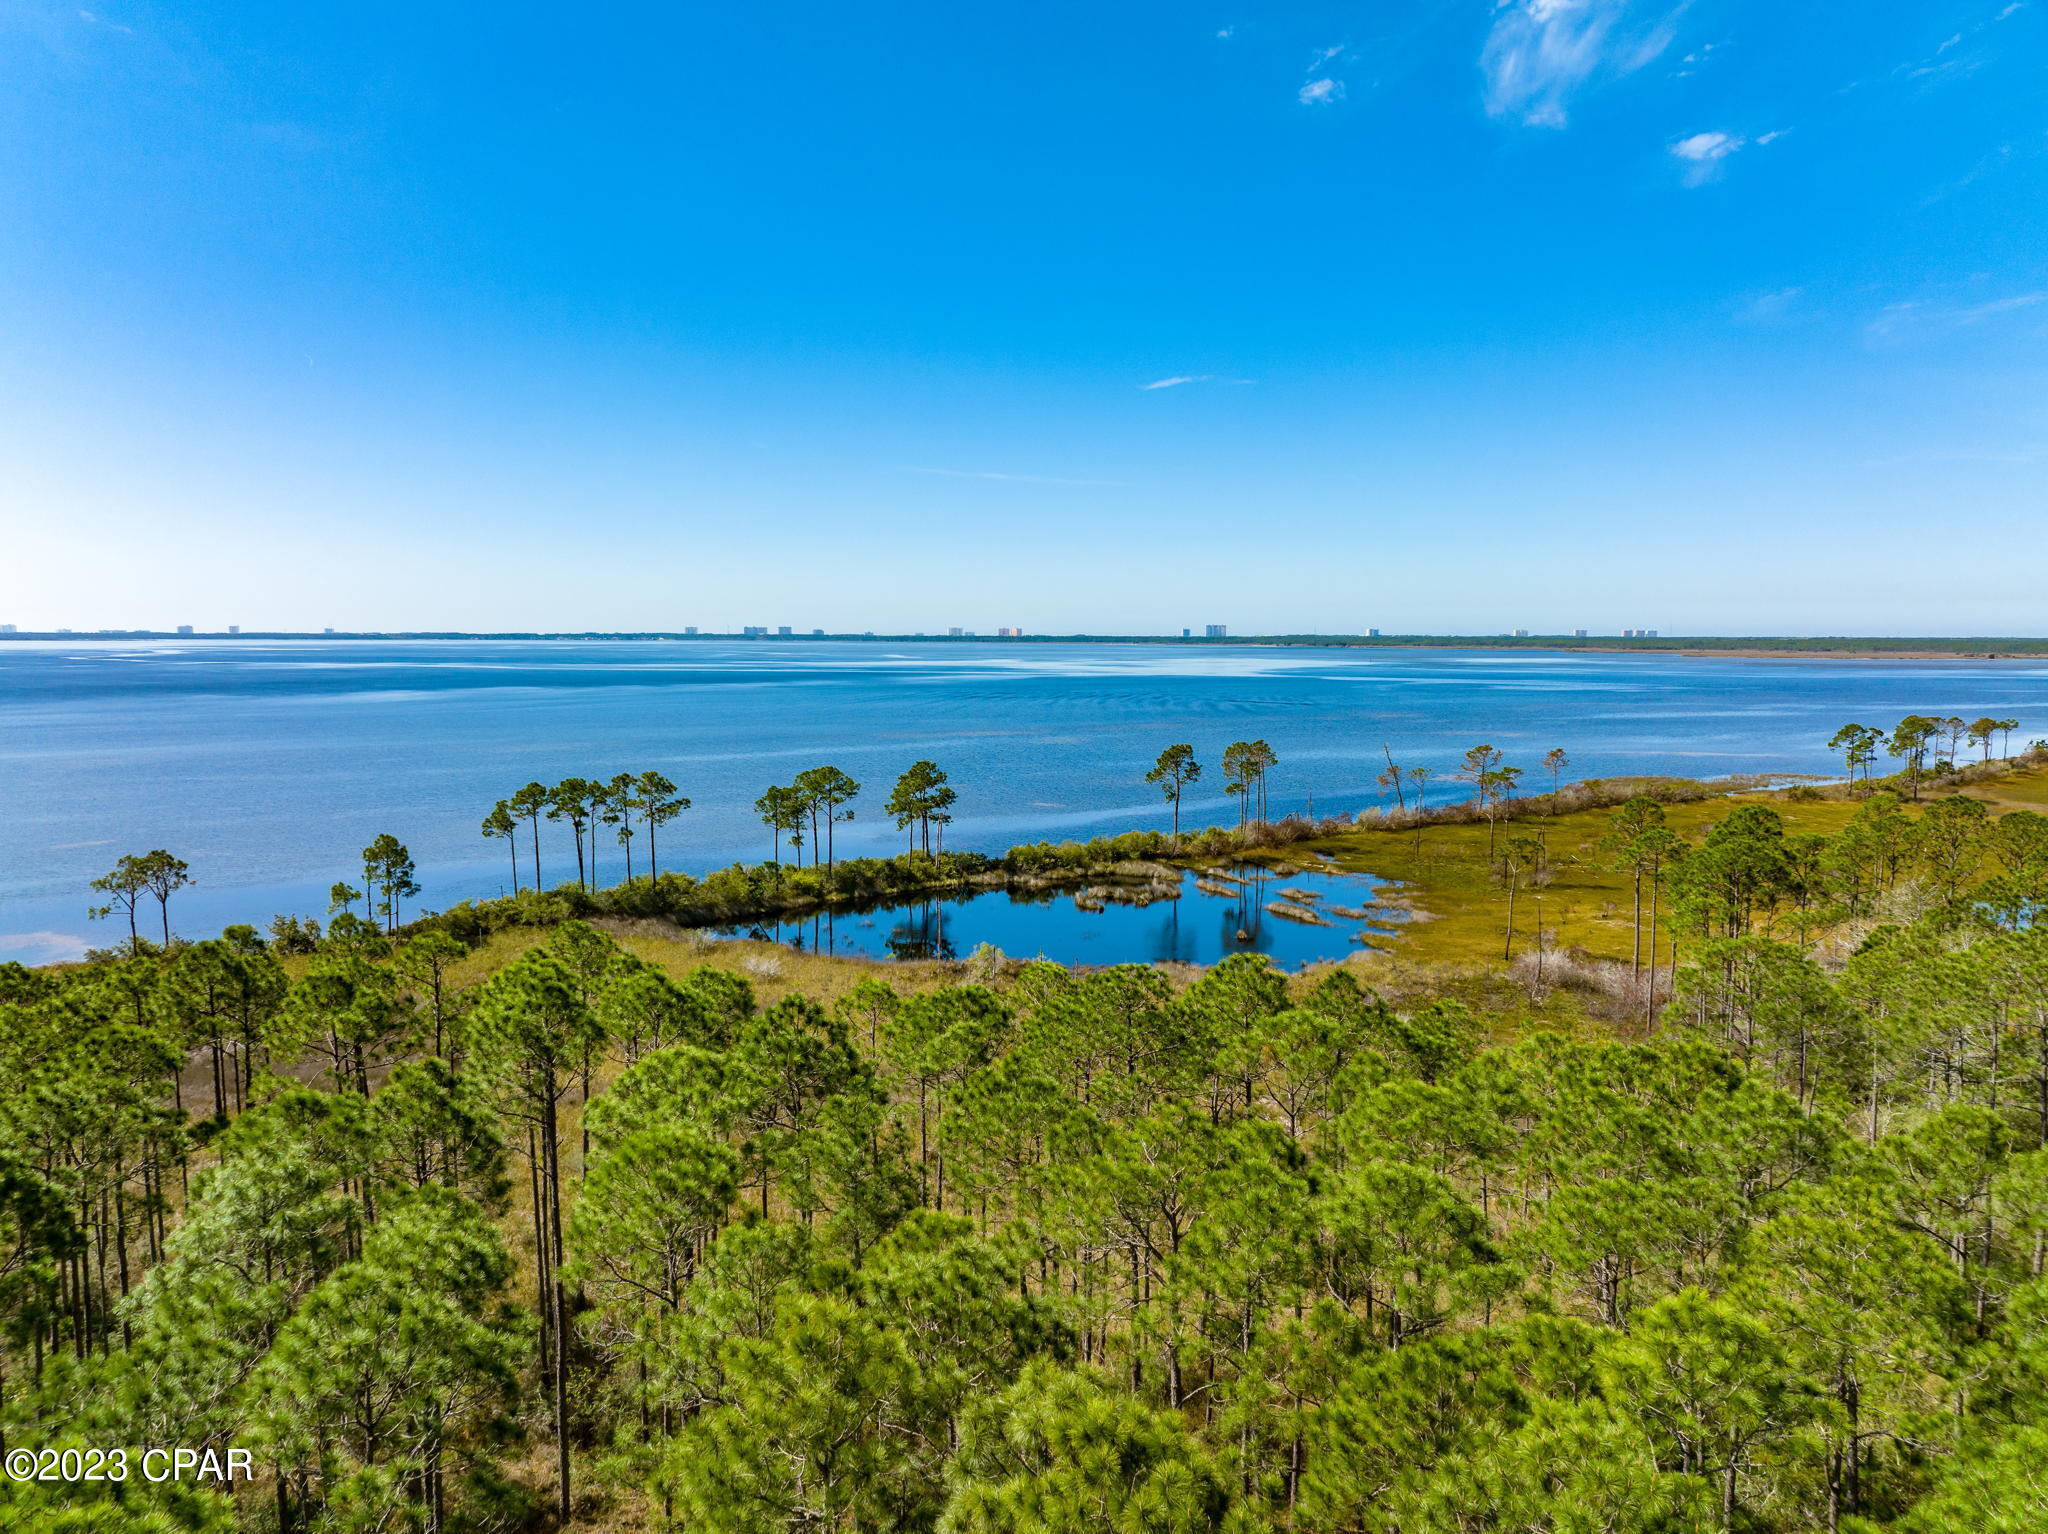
1296, 918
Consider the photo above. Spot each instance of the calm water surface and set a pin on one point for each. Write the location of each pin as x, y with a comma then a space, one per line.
1233, 914
268, 766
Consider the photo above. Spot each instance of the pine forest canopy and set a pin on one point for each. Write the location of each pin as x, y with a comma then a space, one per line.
571, 1228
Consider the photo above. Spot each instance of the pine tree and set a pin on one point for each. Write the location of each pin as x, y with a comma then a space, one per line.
394, 1367
529, 1035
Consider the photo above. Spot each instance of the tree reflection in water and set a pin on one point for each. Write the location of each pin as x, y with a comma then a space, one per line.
1227, 912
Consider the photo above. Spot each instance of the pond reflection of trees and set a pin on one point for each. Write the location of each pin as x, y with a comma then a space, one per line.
923, 935
1228, 916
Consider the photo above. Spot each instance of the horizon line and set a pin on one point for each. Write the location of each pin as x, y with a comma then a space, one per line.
1582, 640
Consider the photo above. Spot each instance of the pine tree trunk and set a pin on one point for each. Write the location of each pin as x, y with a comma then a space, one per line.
554, 1180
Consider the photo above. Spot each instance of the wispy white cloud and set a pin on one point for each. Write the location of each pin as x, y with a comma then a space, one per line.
1176, 381
1996, 160
1541, 53
100, 21
1935, 64
1018, 479
1226, 31
1768, 308
1704, 148
1693, 61
1938, 64
1915, 316
1976, 312
1322, 89
1704, 152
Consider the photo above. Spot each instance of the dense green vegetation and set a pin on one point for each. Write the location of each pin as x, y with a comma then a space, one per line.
446, 1227
451, 1240
801, 815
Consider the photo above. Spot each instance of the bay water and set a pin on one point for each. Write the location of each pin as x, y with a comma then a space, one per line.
267, 766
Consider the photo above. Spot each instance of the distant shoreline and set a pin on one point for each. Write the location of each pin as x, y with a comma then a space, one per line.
1749, 647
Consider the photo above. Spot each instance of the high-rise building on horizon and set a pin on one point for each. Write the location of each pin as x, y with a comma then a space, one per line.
6, 628
234, 628
1578, 633
184, 628
689, 628
1217, 631
782, 631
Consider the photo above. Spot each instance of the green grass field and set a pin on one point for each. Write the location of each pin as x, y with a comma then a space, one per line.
1448, 877
1462, 908
1454, 945
2021, 791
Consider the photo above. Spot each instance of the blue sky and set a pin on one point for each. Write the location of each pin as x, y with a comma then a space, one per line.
1721, 317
